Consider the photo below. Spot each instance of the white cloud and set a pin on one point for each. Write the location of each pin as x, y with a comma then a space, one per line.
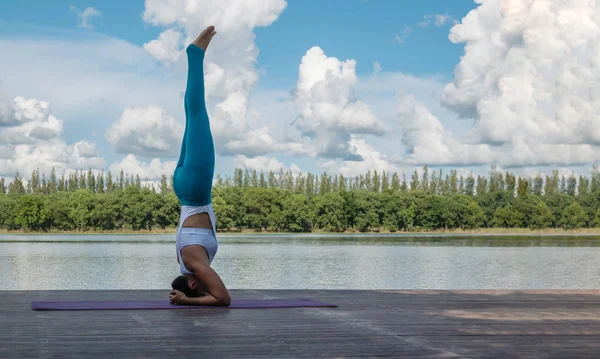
85, 149
31, 123
31, 139
146, 131
426, 140
151, 171
230, 73
92, 78
7, 111
527, 82
403, 35
371, 159
167, 48
265, 164
84, 17
377, 67
529, 78
328, 110
438, 20
45, 156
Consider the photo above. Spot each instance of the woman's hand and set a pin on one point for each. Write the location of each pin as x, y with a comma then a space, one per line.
177, 297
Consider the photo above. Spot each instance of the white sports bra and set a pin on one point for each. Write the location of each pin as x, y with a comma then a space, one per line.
186, 212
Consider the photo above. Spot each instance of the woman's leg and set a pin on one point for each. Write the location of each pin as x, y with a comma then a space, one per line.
195, 169
183, 144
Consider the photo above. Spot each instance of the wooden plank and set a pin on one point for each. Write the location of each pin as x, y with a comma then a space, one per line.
387, 324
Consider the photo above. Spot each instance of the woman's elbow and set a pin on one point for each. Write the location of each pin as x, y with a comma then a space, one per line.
224, 300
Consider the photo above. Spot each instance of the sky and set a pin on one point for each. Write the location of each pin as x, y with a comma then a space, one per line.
342, 86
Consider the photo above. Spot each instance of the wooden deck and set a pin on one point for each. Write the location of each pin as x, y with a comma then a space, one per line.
392, 324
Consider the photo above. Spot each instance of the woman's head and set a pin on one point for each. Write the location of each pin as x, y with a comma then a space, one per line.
188, 285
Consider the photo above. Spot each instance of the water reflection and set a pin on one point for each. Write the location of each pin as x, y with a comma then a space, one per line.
306, 262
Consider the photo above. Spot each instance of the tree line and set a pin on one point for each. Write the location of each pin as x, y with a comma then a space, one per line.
284, 202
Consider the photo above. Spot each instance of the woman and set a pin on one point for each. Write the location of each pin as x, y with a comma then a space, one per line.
196, 241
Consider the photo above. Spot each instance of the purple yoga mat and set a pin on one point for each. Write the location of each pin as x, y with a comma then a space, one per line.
164, 304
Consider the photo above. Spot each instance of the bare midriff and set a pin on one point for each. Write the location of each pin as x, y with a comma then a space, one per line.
198, 220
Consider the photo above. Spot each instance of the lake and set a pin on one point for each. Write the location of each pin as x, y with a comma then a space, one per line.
43, 262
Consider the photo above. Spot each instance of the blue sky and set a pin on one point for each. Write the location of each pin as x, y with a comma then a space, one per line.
92, 69
358, 29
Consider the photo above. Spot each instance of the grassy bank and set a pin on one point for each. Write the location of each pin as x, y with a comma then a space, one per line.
481, 231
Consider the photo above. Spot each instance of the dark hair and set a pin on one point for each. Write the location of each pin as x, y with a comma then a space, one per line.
181, 284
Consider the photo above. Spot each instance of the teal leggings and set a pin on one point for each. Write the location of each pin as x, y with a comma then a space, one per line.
192, 180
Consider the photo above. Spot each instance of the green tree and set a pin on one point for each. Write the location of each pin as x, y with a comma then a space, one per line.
434, 186
16, 186
62, 184
424, 185
571, 185
300, 187
385, 183
511, 184
367, 205
342, 183
490, 202
91, 181
507, 217
52, 182
557, 203
595, 182
31, 213
542, 216
82, 182
538, 185
481, 186
7, 212
453, 182
272, 182
296, 213
496, 182
35, 181
262, 182
329, 212
399, 211
225, 213
258, 205
467, 213
81, 206
414, 183
523, 187
310, 185
470, 186
376, 182
395, 182
583, 186
573, 216
164, 186
100, 182
58, 206
109, 182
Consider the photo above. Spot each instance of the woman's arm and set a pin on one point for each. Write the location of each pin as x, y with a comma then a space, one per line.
215, 291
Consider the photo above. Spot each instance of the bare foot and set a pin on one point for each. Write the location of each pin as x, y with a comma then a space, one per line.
204, 38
